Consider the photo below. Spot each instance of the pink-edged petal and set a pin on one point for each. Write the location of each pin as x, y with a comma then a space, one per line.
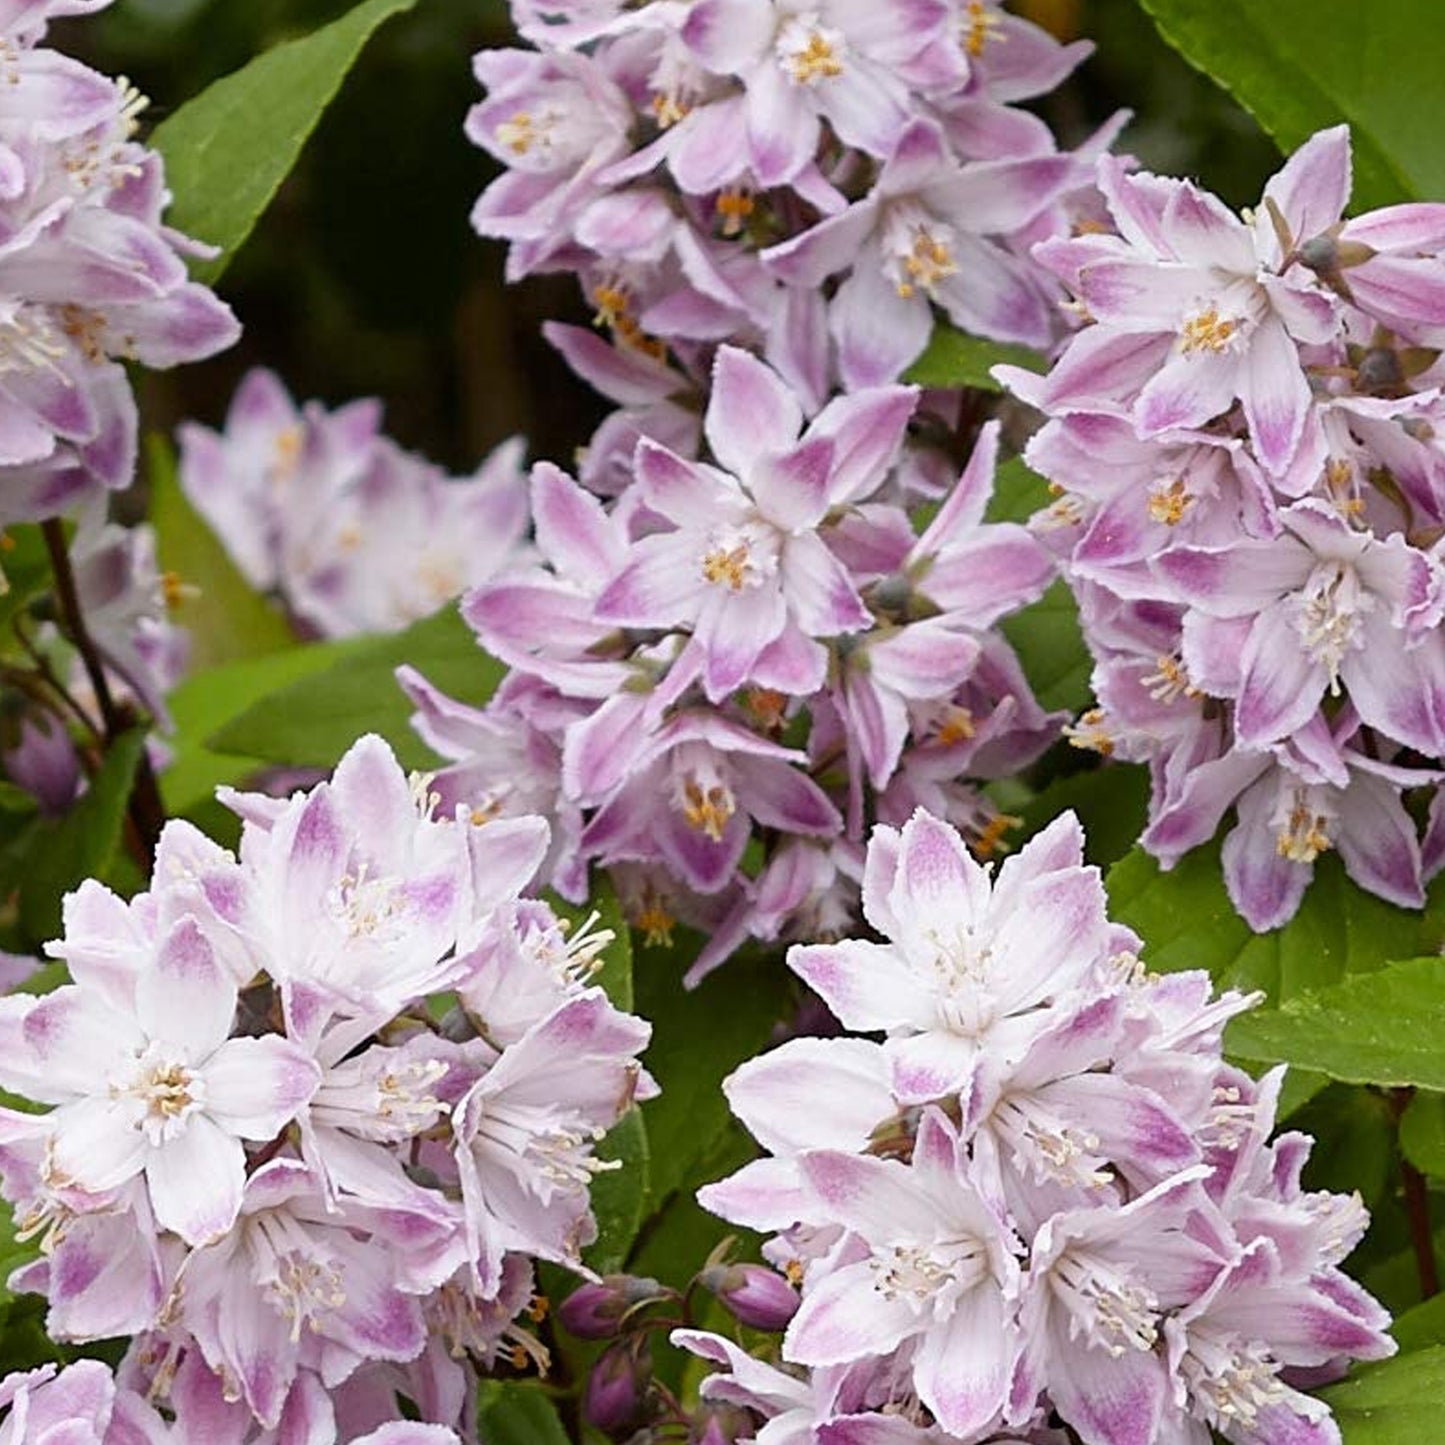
791, 489
765, 1195
735, 632
1282, 685
1188, 391
938, 878
933, 1065
752, 413
661, 585
1109, 1399
866, 429
195, 1181
867, 985
186, 998
1377, 841
1312, 187
844, 1318
962, 1370
820, 593
573, 530
254, 1087
1276, 395
878, 332
812, 1094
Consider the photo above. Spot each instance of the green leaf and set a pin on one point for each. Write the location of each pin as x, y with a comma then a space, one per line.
954, 358
1384, 1027
1018, 492
1300, 65
516, 1412
1422, 1133
698, 1038
228, 150
1187, 921
226, 617
24, 574
80, 845
619, 1196
313, 721
1424, 1325
1396, 1402
1051, 647
1111, 801
209, 699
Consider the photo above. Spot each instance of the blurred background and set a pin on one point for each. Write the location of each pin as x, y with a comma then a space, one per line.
365, 278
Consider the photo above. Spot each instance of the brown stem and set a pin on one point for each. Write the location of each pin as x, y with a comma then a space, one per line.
146, 811
1417, 1209
75, 625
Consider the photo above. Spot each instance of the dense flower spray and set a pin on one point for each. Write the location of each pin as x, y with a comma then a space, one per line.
264, 1157
353, 533
1245, 434
1043, 1198
90, 276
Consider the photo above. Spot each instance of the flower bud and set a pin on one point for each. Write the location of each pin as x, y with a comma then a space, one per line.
595, 1311
616, 1399
753, 1294
723, 1425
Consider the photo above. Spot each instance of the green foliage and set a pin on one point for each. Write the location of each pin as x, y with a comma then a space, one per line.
517, 1412
1353, 1030
1396, 1402
228, 150
24, 575
1422, 1133
954, 358
1018, 492
1051, 647
311, 722
1300, 65
620, 1195
700, 1037
1187, 921
51, 857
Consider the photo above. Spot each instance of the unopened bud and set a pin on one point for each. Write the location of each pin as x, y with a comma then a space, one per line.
597, 1311
753, 1294
616, 1400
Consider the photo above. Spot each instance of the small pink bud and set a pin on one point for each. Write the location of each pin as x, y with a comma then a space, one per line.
754, 1294
616, 1401
596, 1311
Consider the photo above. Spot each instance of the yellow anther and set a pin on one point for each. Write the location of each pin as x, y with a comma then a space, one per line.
668, 109
1305, 836
655, 922
992, 839
736, 207
174, 591
726, 567
1090, 733
1168, 504
927, 263
519, 134
958, 726
817, 60
1207, 330
980, 25
708, 810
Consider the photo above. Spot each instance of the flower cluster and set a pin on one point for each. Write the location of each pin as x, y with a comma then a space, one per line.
90, 276
1043, 1198
263, 1155
1246, 436
718, 676
804, 179
353, 533
84, 1405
